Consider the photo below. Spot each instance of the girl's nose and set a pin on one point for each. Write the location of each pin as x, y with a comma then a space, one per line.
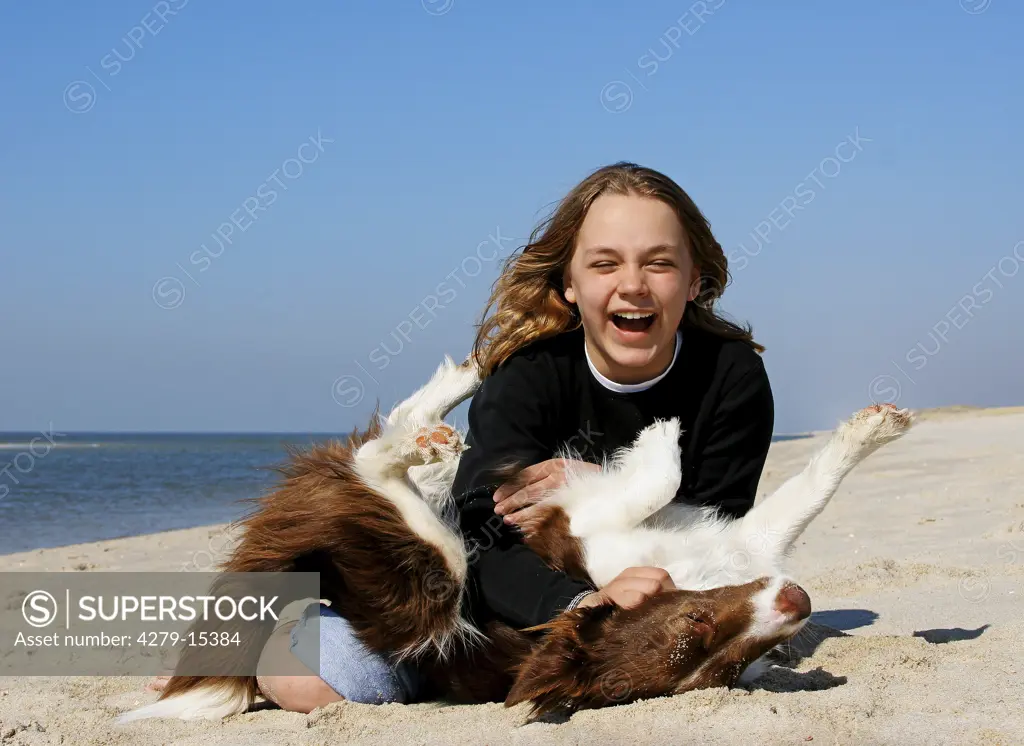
632, 281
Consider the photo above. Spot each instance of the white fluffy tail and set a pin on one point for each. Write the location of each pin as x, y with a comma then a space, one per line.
210, 700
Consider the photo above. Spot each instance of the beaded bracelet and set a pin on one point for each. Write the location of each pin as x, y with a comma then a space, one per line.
579, 597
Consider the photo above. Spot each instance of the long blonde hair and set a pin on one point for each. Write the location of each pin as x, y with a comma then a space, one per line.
528, 301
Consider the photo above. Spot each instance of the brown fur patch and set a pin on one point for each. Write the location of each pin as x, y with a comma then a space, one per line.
551, 538
484, 673
376, 571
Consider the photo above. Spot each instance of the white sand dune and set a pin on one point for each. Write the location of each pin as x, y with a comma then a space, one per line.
916, 573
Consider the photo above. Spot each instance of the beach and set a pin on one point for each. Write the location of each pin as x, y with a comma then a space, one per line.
915, 572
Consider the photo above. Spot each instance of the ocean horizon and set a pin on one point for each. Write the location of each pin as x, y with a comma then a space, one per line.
76, 487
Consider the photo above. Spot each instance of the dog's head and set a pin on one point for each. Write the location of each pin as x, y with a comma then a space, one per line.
671, 643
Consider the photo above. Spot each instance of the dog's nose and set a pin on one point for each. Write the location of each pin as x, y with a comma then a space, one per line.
793, 601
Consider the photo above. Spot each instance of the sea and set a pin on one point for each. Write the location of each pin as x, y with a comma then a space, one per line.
93, 486
79, 487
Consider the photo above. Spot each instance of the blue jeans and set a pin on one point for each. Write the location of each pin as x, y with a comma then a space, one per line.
346, 665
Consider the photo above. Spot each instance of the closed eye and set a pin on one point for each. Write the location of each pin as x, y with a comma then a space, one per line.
703, 629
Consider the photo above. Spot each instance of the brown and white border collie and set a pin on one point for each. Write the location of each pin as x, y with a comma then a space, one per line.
375, 517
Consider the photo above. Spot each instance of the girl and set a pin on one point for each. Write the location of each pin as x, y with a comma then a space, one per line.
602, 323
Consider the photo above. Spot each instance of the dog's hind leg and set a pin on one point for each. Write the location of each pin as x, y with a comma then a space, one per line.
636, 483
414, 433
450, 385
776, 522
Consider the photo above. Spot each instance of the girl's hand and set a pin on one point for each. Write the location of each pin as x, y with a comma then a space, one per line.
513, 498
631, 587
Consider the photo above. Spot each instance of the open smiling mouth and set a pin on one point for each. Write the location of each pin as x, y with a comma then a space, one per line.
634, 321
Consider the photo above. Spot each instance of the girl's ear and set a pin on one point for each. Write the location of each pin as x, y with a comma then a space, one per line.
570, 294
694, 290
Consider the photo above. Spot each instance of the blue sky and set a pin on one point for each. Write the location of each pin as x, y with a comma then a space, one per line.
372, 162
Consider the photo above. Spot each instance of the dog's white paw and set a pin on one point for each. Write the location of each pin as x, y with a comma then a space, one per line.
877, 425
656, 448
471, 368
461, 379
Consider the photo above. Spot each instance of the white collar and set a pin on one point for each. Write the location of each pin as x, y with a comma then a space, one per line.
629, 388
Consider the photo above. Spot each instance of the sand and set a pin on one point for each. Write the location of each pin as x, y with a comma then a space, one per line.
915, 570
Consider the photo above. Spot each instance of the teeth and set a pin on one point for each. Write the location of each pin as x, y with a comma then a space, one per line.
636, 314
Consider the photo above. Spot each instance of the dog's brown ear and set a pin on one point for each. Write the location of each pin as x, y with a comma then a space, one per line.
557, 677
550, 677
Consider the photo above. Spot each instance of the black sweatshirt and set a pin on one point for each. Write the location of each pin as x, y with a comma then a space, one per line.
546, 395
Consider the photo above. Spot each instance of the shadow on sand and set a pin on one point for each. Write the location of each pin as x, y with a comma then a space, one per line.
844, 619
784, 658
953, 634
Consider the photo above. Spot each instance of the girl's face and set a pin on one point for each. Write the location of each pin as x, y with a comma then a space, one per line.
630, 276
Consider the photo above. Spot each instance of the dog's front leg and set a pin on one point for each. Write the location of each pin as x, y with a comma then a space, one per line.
775, 523
637, 482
